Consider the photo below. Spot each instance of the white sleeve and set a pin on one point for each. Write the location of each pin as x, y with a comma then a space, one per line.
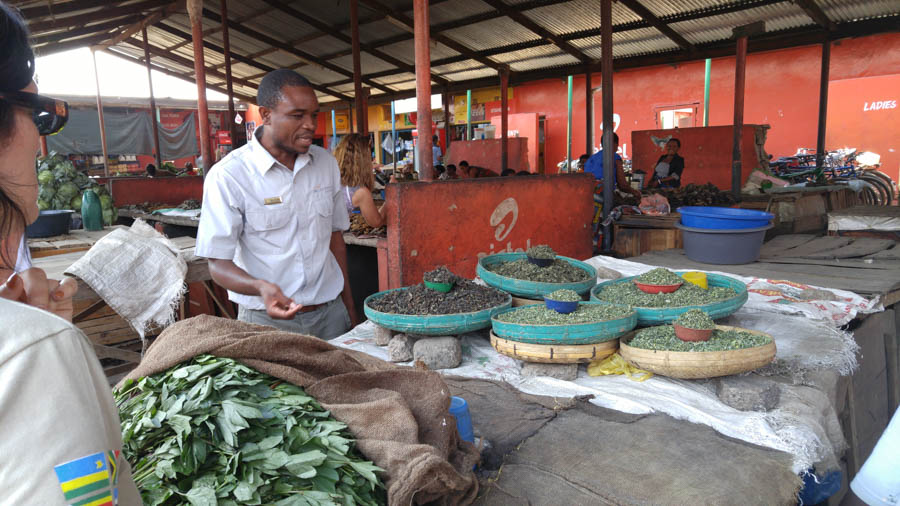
56, 408
340, 219
221, 217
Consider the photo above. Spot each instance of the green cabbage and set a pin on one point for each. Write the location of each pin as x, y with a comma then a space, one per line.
45, 176
76, 203
108, 217
106, 202
43, 205
67, 190
46, 193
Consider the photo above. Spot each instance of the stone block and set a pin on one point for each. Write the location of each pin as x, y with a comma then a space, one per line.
400, 348
567, 372
748, 393
438, 352
383, 335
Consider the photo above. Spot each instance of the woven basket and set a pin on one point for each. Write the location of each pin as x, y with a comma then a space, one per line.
433, 325
575, 333
531, 289
554, 353
699, 364
519, 302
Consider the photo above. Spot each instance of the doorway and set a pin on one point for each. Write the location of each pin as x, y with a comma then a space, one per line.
542, 134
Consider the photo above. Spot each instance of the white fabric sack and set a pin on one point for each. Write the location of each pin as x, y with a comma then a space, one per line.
138, 272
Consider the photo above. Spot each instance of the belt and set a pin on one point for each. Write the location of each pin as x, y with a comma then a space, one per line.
308, 309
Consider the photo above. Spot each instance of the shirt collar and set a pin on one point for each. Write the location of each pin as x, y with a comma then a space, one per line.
262, 160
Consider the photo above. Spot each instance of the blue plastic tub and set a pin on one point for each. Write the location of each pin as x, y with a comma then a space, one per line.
723, 217
50, 223
647, 316
433, 325
578, 333
531, 289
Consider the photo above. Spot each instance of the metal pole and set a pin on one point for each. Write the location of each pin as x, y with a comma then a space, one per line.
357, 73
606, 83
448, 123
739, 79
333, 130
504, 119
588, 114
195, 10
468, 115
823, 103
393, 136
229, 87
569, 129
152, 99
706, 92
421, 31
100, 115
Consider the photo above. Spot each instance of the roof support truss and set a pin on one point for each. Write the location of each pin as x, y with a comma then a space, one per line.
812, 9
645, 14
520, 18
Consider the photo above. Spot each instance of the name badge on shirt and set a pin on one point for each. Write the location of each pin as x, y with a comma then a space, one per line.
272, 200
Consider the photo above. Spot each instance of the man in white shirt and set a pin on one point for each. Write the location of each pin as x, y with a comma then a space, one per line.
273, 219
435, 151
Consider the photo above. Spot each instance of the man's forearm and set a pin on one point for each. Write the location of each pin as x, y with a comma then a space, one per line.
231, 277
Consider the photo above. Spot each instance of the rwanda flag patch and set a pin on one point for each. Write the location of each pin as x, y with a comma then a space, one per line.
86, 481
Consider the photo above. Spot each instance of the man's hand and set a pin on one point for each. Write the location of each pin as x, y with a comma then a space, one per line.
33, 288
277, 305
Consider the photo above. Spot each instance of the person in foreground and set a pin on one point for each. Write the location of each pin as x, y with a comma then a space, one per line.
62, 439
273, 218
358, 179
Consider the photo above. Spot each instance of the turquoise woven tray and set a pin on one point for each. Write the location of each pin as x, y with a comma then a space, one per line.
656, 316
433, 325
580, 333
531, 289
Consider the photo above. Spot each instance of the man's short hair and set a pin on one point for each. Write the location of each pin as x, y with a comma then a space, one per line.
269, 93
463, 163
676, 141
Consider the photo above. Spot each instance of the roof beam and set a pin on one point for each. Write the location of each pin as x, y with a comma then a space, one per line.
303, 55
657, 23
87, 30
49, 49
43, 11
218, 28
156, 17
336, 33
404, 21
243, 59
520, 18
180, 75
185, 62
91, 17
812, 9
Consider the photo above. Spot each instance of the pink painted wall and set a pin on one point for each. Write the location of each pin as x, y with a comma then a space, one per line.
527, 126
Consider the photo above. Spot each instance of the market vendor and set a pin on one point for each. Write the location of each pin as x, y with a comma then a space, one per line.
594, 165
358, 179
669, 167
273, 218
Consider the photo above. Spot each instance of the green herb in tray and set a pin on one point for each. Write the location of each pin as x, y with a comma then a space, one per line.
696, 319
538, 314
541, 252
214, 431
659, 276
559, 271
663, 338
564, 295
688, 294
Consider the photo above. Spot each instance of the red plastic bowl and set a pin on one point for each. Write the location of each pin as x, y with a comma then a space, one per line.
658, 288
693, 335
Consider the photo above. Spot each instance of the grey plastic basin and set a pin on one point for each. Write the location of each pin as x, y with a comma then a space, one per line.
724, 247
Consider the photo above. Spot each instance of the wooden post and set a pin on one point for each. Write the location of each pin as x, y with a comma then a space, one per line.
152, 99
44, 149
364, 98
606, 83
588, 113
195, 10
361, 126
741, 33
421, 31
100, 116
823, 103
229, 86
448, 123
504, 118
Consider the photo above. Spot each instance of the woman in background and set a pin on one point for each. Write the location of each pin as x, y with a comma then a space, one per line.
358, 179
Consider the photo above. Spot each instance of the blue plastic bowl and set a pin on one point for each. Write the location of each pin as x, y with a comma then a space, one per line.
721, 218
561, 306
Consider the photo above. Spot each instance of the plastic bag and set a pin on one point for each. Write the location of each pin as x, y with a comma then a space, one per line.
615, 364
655, 205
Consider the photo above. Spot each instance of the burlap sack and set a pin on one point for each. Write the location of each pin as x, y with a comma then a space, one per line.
400, 417
138, 273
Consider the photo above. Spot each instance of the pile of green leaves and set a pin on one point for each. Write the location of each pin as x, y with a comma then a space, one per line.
662, 338
538, 314
659, 276
541, 252
62, 185
564, 295
213, 431
696, 319
559, 271
688, 294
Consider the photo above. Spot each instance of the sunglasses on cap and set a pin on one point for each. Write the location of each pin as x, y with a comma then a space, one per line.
49, 114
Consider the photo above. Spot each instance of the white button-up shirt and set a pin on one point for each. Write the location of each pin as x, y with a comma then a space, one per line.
275, 223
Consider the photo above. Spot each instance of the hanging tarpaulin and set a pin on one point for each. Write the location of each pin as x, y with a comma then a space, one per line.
127, 133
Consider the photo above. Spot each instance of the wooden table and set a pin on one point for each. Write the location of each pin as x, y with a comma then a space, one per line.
183, 221
636, 234
866, 221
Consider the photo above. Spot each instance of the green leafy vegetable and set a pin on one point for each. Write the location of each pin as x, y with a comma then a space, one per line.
214, 431
538, 314
564, 295
695, 319
663, 338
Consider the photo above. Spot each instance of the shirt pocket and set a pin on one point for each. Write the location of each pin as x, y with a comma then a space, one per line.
268, 229
321, 211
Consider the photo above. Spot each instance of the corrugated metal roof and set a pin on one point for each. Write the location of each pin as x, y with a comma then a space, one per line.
499, 38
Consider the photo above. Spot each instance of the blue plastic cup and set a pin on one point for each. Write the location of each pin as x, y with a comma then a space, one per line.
460, 409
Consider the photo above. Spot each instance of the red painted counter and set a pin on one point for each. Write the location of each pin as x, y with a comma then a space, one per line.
454, 223
165, 190
486, 153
